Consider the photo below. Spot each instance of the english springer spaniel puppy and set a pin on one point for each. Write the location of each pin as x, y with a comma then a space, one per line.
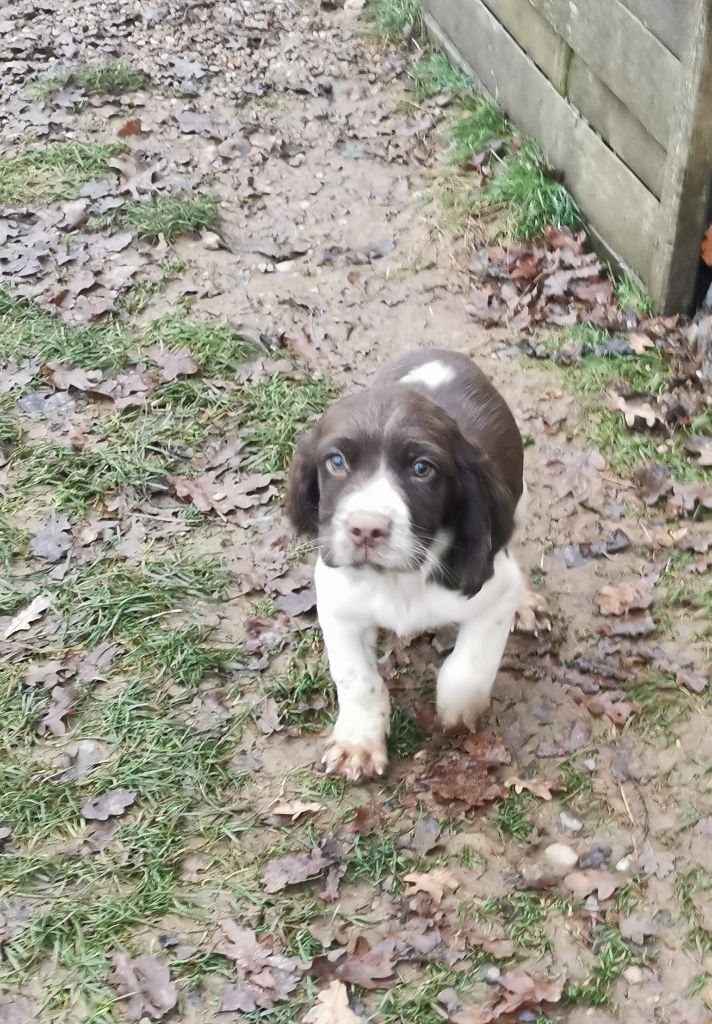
411, 488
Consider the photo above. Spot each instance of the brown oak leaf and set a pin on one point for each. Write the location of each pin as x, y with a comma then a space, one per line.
146, 985
294, 868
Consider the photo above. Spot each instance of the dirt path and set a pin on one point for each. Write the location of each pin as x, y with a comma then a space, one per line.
169, 846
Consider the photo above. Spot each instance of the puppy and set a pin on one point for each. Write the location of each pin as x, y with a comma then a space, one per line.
411, 489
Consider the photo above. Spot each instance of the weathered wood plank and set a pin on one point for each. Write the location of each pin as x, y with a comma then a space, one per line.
621, 130
617, 206
536, 37
668, 20
624, 55
686, 187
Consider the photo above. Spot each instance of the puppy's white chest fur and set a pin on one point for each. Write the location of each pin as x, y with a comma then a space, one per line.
401, 602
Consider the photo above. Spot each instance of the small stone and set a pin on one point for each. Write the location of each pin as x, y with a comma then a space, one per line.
570, 822
210, 240
490, 973
633, 975
560, 855
623, 864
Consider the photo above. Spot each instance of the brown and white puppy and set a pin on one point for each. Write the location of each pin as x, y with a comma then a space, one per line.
411, 488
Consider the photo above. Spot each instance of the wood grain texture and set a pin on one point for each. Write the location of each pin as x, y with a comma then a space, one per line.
668, 20
536, 36
617, 206
686, 186
623, 54
621, 130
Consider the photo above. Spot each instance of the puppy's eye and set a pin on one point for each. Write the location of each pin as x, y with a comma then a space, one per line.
336, 464
421, 469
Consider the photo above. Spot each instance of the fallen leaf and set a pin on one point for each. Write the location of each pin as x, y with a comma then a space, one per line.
638, 410
294, 868
426, 836
264, 977
611, 704
63, 698
130, 127
634, 595
706, 247
653, 482
87, 756
701, 446
24, 619
536, 786
457, 776
653, 862
704, 827
172, 364
145, 983
435, 883
579, 736
640, 343
490, 752
603, 883
516, 992
225, 494
53, 540
294, 809
631, 624
637, 927
332, 1006
109, 805
577, 554
368, 966
134, 177
297, 603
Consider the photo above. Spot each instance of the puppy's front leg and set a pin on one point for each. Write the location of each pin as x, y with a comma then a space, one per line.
357, 745
467, 676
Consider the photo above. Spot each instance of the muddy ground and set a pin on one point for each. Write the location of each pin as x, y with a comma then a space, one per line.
170, 847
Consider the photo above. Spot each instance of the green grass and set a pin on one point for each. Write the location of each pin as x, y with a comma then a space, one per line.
217, 348
115, 600
529, 199
113, 77
407, 735
273, 411
434, 74
170, 216
182, 653
391, 18
140, 295
523, 916
612, 956
377, 856
592, 376
631, 295
510, 816
53, 170
691, 887
73, 480
27, 332
416, 1001
303, 690
481, 121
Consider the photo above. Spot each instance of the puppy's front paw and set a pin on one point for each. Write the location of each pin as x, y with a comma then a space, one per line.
455, 714
531, 615
355, 760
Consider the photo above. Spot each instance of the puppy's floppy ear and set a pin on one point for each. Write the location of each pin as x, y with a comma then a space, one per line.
483, 518
303, 489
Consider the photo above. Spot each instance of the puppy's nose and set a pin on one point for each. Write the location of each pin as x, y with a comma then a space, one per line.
368, 528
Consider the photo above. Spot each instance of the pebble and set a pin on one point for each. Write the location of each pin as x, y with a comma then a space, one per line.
490, 973
623, 864
561, 855
570, 822
633, 975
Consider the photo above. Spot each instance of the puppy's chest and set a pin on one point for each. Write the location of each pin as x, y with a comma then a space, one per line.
403, 603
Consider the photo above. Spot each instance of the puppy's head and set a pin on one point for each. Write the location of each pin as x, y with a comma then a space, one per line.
387, 481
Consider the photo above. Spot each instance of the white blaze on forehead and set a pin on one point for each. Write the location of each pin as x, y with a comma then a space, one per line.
432, 374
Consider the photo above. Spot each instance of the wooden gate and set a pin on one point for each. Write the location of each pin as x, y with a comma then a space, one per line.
619, 95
